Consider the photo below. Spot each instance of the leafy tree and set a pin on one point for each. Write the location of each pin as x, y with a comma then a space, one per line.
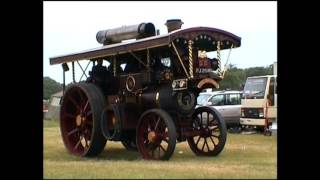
50, 87
259, 71
235, 78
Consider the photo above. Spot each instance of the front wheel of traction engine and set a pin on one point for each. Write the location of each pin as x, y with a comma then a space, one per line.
156, 135
212, 132
80, 114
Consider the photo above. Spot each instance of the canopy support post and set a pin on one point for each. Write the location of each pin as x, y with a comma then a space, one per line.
139, 60
148, 58
184, 68
225, 66
84, 71
114, 63
73, 73
64, 69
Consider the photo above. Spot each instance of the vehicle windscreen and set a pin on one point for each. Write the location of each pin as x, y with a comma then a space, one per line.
202, 99
255, 88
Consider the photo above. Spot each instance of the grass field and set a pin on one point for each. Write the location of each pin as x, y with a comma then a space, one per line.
244, 156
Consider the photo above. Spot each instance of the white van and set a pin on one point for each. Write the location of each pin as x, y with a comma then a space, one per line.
259, 102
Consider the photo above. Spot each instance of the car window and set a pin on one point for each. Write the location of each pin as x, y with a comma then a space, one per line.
202, 98
217, 100
233, 99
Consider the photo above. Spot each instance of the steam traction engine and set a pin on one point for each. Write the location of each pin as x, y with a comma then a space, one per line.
146, 96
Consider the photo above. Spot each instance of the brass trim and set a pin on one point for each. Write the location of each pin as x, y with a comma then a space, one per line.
157, 99
190, 42
134, 83
219, 59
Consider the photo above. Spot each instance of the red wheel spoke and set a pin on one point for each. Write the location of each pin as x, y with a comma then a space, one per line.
85, 139
69, 115
214, 128
89, 113
157, 123
163, 135
162, 148
214, 144
73, 131
198, 140
197, 123
208, 119
213, 124
152, 122
86, 133
78, 143
205, 140
148, 127
81, 95
215, 136
165, 140
85, 106
203, 145
88, 122
74, 102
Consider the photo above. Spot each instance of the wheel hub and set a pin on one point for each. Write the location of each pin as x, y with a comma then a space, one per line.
80, 120
206, 132
152, 136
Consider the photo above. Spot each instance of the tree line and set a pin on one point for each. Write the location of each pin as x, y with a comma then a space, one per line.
50, 87
234, 79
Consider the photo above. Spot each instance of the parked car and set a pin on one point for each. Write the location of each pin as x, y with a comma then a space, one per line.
228, 103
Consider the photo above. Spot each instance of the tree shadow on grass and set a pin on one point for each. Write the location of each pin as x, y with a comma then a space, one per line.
115, 152
109, 153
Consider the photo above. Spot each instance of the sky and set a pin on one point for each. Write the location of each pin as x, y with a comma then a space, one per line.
70, 27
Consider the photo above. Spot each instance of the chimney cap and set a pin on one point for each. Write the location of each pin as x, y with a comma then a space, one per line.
173, 20
173, 24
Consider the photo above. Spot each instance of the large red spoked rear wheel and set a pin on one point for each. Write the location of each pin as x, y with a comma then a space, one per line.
80, 116
212, 132
156, 135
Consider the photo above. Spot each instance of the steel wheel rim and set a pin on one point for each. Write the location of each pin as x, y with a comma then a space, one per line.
153, 139
76, 121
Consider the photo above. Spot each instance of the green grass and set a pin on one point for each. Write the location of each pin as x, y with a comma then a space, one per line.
50, 123
244, 156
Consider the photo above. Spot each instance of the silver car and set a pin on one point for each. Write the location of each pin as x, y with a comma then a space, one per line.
228, 103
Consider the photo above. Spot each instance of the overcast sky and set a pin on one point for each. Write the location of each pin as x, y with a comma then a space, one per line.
71, 27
